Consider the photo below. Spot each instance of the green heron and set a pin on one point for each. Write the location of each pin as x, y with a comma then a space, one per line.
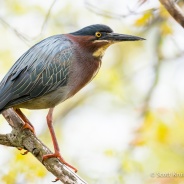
54, 70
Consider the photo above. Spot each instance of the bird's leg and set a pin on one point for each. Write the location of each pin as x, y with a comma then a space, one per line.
27, 124
55, 143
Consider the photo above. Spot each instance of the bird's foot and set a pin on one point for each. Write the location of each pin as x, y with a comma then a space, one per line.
28, 126
58, 155
57, 179
24, 153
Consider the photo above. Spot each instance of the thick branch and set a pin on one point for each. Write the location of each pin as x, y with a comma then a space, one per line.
5, 141
26, 139
174, 10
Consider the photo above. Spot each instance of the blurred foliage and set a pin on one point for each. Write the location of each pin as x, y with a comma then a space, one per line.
130, 78
23, 169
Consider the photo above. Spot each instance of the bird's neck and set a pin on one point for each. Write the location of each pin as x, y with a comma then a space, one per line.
84, 64
89, 48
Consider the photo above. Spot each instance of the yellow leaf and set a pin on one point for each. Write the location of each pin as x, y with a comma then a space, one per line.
144, 19
164, 13
162, 132
166, 29
109, 152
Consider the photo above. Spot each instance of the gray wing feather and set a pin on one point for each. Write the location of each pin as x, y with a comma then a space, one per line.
42, 69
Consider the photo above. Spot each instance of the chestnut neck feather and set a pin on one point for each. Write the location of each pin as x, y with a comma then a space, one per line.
85, 67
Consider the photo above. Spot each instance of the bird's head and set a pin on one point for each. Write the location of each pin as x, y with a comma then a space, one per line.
96, 38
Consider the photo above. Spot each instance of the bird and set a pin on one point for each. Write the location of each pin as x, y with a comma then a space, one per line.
54, 70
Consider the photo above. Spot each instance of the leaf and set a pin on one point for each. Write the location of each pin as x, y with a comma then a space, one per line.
162, 132
166, 29
144, 19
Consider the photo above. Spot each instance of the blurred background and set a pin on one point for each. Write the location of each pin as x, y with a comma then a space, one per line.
127, 125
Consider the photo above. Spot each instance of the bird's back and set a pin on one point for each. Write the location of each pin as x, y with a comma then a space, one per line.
38, 72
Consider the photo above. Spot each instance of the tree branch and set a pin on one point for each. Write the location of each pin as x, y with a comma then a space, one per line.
174, 10
24, 138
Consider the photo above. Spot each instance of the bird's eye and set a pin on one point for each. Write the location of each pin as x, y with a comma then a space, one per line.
98, 34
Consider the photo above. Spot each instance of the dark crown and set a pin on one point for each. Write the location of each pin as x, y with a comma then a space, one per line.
91, 30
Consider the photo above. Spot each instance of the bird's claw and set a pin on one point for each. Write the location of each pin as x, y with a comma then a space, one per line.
28, 126
57, 179
24, 153
57, 155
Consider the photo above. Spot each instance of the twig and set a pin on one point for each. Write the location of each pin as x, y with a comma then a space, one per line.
23, 138
25, 38
108, 14
157, 66
174, 10
47, 17
19, 34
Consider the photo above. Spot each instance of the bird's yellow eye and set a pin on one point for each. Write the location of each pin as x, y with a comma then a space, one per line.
98, 34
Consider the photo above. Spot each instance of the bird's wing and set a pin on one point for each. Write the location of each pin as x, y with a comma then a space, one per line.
42, 69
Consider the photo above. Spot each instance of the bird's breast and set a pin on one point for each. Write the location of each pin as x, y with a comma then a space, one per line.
82, 72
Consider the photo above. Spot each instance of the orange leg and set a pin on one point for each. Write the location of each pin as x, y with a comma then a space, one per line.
55, 143
27, 124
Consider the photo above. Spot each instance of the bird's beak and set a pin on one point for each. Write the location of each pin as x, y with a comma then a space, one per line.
116, 37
